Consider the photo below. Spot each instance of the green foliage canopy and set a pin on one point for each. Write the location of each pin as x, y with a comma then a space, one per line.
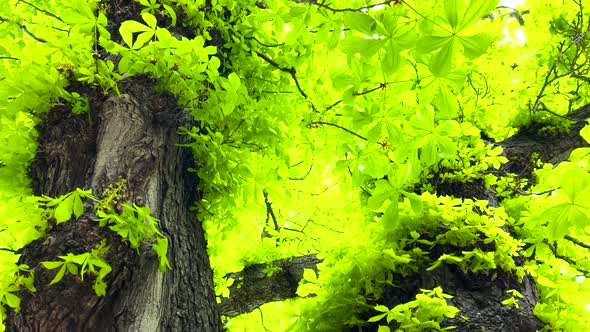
341, 116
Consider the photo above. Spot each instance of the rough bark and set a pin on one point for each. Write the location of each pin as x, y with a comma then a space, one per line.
128, 140
478, 296
254, 288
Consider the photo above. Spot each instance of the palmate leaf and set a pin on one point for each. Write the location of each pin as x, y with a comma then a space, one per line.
575, 207
434, 142
146, 32
66, 204
561, 217
574, 184
445, 42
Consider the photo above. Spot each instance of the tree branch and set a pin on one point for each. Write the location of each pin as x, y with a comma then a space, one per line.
577, 242
254, 288
24, 29
41, 10
293, 74
317, 124
269, 211
265, 45
338, 10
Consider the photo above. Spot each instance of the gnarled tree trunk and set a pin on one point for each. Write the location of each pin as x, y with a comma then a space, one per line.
128, 140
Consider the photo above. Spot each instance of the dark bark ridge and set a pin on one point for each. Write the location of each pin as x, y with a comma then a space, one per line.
127, 143
253, 288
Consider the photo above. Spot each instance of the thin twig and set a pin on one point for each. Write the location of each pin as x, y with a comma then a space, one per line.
269, 211
338, 10
568, 260
263, 44
303, 178
577, 242
42, 10
293, 74
317, 124
24, 29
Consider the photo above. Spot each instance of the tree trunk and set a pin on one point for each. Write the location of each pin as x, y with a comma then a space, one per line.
130, 139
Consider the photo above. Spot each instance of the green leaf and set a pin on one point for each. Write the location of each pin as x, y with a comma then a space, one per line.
342, 82
59, 275
446, 103
546, 282
585, 133
52, 265
143, 38
435, 265
171, 13
559, 221
392, 61
78, 206
390, 218
381, 308
454, 12
307, 289
12, 300
441, 63
128, 28
150, 20
63, 212
161, 249
383, 191
475, 45
72, 268
574, 181
360, 22
477, 9
310, 275
365, 47
83, 8
334, 38
234, 81
415, 201
100, 288
432, 43
376, 318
